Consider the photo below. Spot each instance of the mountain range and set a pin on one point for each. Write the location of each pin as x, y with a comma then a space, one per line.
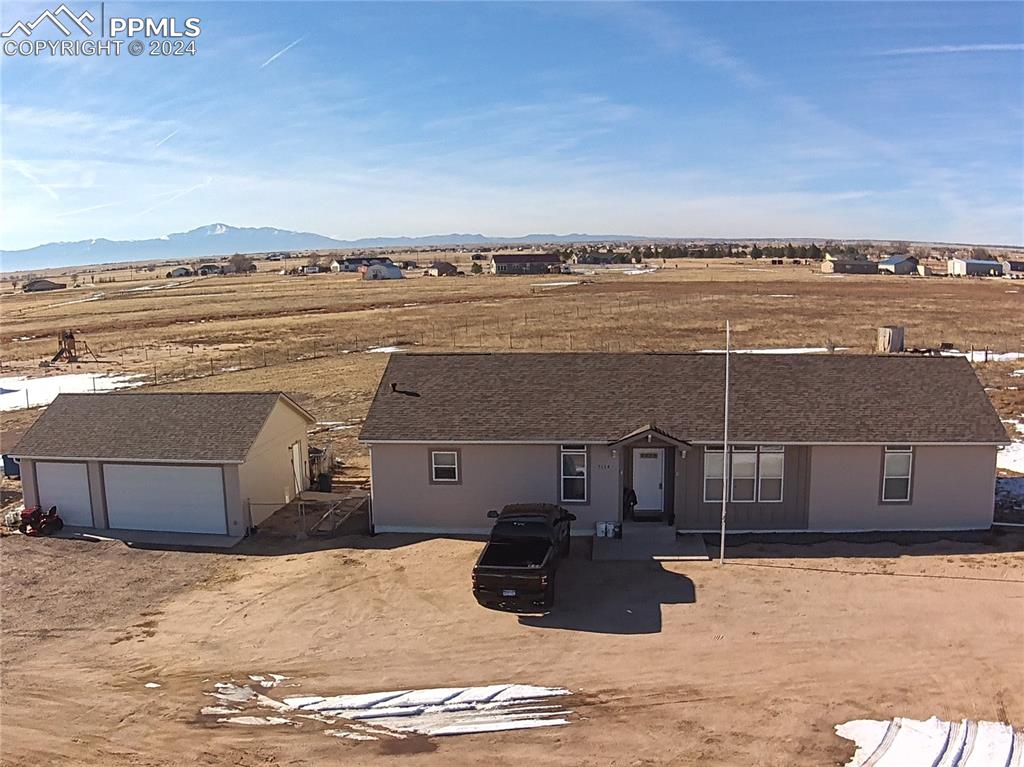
223, 240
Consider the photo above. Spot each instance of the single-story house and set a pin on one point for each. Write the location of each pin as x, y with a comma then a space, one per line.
1013, 269
836, 266
180, 271
206, 269
900, 263
974, 267
36, 286
382, 272
815, 443
524, 263
442, 269
355, 263
206, 463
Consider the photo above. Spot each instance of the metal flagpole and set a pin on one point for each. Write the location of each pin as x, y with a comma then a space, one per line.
725, 450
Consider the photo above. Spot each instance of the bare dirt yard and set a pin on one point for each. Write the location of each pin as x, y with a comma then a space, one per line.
675, 663
680, 663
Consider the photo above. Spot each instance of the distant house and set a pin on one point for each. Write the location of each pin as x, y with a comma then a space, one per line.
899, 263
442, 269
1013, 269
205, 269
313, 269
837, 266
478, 257
382, 272
524, 263
37, 286
355, 263
181, 271
974, 267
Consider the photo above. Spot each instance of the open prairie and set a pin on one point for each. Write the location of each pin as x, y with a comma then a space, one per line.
309, 335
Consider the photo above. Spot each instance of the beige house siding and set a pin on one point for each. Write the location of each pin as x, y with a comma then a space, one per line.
491, 476
952, 488
29, 491
265, 480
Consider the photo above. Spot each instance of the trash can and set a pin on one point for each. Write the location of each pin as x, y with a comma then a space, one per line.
323, 483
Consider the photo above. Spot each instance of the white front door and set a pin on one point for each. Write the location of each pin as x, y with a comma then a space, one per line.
649, 479
299, 468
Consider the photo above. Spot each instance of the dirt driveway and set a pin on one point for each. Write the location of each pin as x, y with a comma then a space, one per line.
687, 663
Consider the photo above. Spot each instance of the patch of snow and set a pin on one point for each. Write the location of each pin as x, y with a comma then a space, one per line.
351, 735
913, 743
796, 350
386, 349
151, 685
982, 355
217, 710
782, 295
257, 721
641, 271
20, 392
560, 284
1011, 458
433, 711
1018, 373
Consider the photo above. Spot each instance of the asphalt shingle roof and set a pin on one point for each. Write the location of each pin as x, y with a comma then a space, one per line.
602, 397
133, 426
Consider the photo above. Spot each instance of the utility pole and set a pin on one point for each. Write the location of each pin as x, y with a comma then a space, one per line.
725, 450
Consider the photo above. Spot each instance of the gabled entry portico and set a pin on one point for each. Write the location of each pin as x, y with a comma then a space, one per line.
649, 460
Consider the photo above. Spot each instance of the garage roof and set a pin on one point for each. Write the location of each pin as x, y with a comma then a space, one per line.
785, 398
131, 426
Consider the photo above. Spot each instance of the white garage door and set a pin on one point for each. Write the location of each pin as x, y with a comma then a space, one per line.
177, 499
66, 486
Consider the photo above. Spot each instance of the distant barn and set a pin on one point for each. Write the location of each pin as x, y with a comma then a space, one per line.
974, 267
36, 286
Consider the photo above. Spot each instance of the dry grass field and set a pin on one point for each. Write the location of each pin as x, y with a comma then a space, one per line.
309, 335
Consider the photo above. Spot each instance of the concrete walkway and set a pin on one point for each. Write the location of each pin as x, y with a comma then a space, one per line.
642, 542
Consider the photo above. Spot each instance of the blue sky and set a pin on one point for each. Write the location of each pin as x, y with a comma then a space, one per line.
901, 120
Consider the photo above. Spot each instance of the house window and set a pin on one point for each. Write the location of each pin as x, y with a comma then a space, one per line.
714, 468
897, 467
756, 473
770, 468
444, 466
744, 473
574, 473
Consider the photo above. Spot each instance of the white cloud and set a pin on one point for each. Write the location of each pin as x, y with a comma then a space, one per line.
973, 48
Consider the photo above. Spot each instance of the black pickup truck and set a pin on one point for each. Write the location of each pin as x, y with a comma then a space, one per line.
516, 569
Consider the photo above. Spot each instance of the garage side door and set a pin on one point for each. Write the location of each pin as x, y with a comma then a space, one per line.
177, 499
66, 486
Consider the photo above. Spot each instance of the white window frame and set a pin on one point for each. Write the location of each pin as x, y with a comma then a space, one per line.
434, 466
577, 450
710, 450
771, 450
909, 476
758, 450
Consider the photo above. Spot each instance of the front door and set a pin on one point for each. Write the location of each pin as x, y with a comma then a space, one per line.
649, 480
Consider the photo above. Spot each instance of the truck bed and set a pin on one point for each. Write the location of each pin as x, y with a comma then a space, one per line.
527, 554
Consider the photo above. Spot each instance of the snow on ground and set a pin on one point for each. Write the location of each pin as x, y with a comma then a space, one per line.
398, 713
559, 284
386, 349
984, 355
796, 350
912, 743
19, 392
1011, 458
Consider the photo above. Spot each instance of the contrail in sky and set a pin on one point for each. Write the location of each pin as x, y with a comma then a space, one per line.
282, 51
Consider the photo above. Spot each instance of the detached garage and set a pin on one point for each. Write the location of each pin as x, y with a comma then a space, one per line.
211, 464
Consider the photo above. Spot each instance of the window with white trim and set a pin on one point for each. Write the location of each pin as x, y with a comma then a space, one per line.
771, 464
444, 466
756, 473
897, 468
714, 473
573, 481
